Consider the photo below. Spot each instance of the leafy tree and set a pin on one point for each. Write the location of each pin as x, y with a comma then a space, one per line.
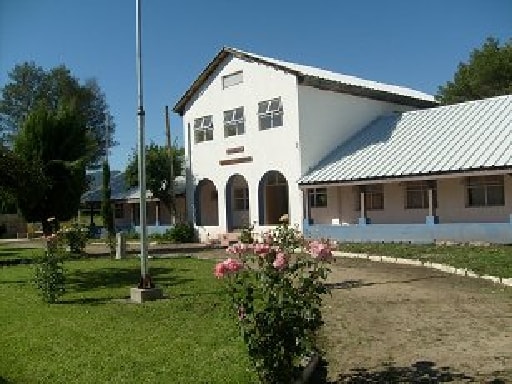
31, 86
56, 146
488, 73
106, 205
158, 172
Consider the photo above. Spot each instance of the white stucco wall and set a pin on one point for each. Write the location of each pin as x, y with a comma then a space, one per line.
328, 118
273, 149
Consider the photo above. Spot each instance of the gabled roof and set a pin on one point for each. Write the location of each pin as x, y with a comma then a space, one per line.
315, 77
471, 136
120, 191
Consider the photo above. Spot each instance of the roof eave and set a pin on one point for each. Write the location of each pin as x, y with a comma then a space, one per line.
505, 169
355, 90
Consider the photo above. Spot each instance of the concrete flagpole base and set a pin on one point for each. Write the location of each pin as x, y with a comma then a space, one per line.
141, 295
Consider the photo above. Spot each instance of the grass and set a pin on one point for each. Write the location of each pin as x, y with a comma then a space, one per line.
14, 253
485, 260
93, 336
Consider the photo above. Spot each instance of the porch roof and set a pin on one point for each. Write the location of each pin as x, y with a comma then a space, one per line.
471, 136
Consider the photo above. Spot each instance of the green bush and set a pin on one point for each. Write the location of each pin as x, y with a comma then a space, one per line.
49, 275
75, 237
181, 233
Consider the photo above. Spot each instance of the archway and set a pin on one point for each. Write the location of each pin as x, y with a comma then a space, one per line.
237, 203
272, 198
206, 204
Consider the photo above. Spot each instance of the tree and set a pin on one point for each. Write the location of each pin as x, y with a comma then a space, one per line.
57, 146
487, 73
158, 172
106, 205
31, 86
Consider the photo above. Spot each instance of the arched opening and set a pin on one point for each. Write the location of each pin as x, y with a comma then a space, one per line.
206, 201
272, 198
237, 203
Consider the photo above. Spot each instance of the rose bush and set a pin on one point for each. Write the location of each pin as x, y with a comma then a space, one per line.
277, 298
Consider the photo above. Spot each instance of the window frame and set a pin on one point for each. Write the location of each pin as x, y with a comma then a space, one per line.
237, 80
371, 193
244, 199
485, 183
203, 129
317, 197
273, 114
234, 122
118, 211
423, 188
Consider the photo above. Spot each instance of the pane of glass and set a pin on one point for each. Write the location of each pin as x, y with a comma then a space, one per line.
265, 122
197, 122
262, 107
495, 195
209, 134
278, 120
377, 201
228, 115
198, 135
476, 196
207, 121
241, 128
414, 199
230, 130
238, 193
239, 113
322, 200
274, 104
280, 179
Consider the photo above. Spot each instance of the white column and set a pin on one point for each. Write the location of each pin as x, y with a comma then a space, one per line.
431, 202
362, 219
157, 213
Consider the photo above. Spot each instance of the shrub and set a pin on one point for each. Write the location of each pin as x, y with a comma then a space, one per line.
181, 233
277, 298
49, 275
246, 235
75, 237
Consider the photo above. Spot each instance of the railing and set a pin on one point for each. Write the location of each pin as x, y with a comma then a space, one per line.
499, 233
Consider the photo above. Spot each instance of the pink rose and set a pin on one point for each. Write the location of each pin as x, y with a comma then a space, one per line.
320, 250
232, 265
280, 262
220, 270
261, 249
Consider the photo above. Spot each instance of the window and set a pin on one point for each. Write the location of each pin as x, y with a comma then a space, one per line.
232, 79
483, 191
275, 179
373, 197
270, 113
318, 197
234, 122
203, 129
241, 197
416, 194
118, 211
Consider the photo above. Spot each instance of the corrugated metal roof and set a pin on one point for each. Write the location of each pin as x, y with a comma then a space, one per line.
469, 136
121, 192
315, 77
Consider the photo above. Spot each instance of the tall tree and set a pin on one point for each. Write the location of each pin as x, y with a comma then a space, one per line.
57, 146
31, 86
106, 205
488, 73
158, 172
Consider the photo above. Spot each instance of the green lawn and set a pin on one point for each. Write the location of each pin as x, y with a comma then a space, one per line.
14, 253
486, 260
94, 337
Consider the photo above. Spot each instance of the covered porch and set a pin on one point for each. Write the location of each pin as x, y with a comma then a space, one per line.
469, 207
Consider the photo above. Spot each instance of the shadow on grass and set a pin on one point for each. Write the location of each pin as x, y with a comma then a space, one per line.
419, 372
4, 381
349, 284
111, 278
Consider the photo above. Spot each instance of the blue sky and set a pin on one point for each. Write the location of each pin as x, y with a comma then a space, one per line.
411, 43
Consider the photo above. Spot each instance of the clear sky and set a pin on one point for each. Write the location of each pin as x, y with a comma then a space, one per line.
417, 44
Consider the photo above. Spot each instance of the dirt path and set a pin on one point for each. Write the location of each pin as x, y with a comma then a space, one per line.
393, 323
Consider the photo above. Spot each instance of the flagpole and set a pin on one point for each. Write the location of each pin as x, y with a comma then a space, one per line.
145, 281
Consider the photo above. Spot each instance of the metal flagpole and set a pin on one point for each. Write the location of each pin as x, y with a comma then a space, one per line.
145, 281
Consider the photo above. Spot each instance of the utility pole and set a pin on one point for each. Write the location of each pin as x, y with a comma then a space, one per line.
171, 157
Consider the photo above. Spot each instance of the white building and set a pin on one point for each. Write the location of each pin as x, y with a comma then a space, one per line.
253, 126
